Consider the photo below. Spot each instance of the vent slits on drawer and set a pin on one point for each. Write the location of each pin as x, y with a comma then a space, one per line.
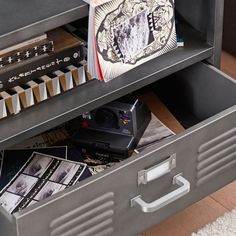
216, 156
92, 218
212, 143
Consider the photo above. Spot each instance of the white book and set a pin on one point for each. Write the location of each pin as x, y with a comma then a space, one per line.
3, 110
52, 84
65, 79
26, 95
12, 102
39, 90
78, 74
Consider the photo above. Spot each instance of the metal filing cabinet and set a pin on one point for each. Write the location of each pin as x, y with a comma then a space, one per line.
138, 192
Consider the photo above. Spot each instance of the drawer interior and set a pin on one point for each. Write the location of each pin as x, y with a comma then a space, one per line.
197, 93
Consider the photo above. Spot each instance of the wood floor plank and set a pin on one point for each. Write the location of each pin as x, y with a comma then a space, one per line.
189, 220
228, 64
226, 196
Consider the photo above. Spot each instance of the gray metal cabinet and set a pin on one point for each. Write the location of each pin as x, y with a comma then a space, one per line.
141, 191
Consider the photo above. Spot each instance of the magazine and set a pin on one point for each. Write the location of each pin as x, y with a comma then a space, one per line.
40, 177
154, 133
124, 34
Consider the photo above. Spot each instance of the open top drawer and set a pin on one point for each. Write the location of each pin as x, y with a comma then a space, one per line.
142, 191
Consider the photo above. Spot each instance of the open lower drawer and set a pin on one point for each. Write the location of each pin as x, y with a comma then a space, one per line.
142, 191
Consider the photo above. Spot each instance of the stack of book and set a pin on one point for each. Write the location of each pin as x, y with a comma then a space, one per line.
40, 68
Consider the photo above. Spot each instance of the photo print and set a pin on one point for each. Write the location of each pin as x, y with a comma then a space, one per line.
39, 178
38, 165
48, 190
65, 172
22, 185
10, 201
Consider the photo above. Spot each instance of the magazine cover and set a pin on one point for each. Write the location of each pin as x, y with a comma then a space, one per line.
40, 177
128, 33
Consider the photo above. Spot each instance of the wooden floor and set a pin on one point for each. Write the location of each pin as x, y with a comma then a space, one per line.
211, 207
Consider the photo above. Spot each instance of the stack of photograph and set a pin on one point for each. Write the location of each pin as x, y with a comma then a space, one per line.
40, 177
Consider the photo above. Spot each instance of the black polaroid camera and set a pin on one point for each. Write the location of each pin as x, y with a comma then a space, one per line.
113, 130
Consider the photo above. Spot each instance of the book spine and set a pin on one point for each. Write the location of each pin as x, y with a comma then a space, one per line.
26, 54
42, 66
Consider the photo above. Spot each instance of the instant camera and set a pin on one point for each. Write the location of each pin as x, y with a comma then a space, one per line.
111, 132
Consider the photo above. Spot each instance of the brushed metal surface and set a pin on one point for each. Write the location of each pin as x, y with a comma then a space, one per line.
91, 218
216, 156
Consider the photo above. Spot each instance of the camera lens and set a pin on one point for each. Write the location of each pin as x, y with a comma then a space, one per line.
106, 118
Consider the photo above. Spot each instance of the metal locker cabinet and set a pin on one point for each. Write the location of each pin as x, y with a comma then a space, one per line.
132, 195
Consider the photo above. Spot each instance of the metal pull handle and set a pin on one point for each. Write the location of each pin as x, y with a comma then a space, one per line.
165, 200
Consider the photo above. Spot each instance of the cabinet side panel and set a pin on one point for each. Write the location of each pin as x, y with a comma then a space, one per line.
207, 18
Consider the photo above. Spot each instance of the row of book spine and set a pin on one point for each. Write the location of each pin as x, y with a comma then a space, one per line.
34, 91
44, 64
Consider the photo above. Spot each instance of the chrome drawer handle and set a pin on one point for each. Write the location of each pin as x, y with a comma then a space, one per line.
165, 200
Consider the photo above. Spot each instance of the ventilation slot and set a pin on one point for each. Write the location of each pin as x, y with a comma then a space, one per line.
216, 156
94, 218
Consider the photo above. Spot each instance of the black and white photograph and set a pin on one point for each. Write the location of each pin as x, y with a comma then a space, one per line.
154, 133
10, 201
32, 182
22, 185
48, 190
38, 165
132, 36
65, 172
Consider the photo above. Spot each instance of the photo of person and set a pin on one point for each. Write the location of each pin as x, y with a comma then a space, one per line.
22, 185
38, 165
48, 190
65, 172
10, 201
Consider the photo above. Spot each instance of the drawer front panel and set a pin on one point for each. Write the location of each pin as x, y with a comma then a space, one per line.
103, 206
